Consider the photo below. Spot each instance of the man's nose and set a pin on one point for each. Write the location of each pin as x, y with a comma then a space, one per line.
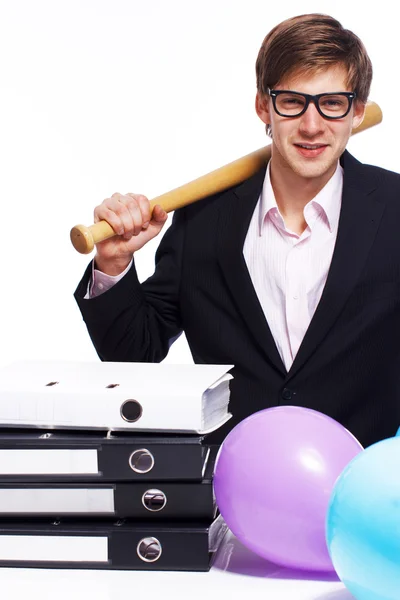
311, 122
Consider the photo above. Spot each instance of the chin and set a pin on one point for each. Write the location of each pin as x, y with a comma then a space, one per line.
312, 171
312, 168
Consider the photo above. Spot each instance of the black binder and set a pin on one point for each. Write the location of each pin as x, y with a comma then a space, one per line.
155, 501
31, 456
116, 545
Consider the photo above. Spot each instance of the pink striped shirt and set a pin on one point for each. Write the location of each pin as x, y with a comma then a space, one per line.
288, 270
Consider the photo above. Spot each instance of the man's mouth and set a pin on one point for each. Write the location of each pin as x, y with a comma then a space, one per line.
310, 150
311, 146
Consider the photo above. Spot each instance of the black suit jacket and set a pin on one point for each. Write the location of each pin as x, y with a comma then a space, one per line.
348, 365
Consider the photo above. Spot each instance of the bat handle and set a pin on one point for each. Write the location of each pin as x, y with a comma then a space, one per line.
84, 238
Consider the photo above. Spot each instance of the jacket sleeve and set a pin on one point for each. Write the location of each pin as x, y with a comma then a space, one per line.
133, 321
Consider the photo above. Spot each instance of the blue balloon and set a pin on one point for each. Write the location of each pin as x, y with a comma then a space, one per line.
363, 523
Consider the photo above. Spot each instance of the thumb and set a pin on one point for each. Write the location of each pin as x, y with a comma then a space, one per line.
159, 215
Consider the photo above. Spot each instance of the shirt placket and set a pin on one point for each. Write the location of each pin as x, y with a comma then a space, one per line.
296, 293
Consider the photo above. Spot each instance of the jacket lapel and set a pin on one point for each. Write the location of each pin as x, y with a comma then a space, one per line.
360, 215
235, 212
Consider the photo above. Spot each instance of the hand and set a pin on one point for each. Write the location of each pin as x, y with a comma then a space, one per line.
131, 218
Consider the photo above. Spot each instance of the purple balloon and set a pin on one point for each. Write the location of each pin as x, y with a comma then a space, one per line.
273, 479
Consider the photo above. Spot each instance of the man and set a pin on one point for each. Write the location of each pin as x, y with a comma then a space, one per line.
292, 276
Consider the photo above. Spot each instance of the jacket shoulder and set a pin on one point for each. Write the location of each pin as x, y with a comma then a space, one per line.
369, 177
385, 174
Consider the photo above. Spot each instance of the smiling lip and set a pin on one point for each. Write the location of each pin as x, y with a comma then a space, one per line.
310, 150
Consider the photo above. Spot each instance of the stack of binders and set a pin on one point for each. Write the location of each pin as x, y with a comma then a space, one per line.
106, 465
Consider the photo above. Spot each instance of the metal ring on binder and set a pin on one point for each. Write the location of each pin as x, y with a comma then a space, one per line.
149, 549
131, 411
154, 500
141, 461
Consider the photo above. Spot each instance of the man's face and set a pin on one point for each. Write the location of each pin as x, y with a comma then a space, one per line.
327, 137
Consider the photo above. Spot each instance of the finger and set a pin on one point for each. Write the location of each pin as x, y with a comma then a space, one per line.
106, 205
117, 214
145, 209
103, 213
130, 214
140, 208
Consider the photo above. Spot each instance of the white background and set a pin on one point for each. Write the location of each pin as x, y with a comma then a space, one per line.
99, 96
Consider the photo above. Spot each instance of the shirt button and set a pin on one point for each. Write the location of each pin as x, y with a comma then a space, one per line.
295, 297
100, 286
287, 394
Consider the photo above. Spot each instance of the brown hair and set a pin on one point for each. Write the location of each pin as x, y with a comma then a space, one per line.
309, 43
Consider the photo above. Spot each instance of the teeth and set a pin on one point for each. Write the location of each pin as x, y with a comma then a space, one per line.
309, 147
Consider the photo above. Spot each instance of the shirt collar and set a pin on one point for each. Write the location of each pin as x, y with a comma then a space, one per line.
328, 200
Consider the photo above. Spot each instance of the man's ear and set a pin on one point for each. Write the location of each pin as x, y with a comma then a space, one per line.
359, 113
262, 108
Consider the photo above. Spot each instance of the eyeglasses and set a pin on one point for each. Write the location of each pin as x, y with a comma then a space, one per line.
294, 104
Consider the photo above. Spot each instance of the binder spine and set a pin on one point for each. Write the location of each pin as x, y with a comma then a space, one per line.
101, 462
144, 549
153, 502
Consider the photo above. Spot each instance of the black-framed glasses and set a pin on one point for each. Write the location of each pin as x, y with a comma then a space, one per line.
288, 103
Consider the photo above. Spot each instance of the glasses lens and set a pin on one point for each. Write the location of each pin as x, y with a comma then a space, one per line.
334, 105
290, 104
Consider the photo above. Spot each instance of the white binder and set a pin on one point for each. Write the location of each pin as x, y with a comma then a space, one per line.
115, 396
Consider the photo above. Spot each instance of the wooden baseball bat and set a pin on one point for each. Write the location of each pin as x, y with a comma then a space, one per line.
84, 238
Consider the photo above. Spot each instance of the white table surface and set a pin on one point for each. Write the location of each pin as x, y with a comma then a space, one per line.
236, 573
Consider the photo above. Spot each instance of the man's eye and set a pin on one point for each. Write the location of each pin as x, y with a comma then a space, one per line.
292, 101
333, 103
